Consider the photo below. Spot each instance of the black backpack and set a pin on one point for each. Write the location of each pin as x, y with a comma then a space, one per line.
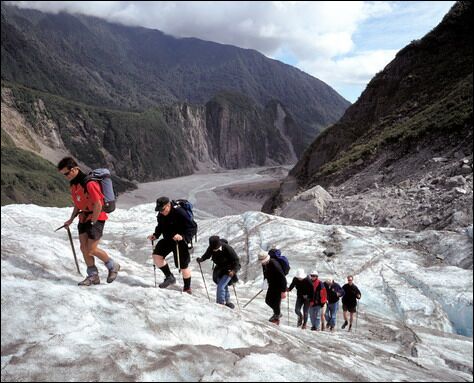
188, 208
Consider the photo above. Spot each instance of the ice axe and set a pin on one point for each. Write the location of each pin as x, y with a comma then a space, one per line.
72, 245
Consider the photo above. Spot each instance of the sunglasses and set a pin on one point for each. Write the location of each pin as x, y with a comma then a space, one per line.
68, 172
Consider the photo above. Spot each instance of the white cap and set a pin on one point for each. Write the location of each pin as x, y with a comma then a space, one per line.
300, 274
314, 272
263, 257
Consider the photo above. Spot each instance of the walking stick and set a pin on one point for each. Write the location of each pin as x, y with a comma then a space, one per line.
154, 266
255, 296
357, 314
288, 308
207, 292
237, 299
177, 254
72, 245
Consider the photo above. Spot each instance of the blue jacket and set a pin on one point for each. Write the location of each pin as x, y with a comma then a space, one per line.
334, 292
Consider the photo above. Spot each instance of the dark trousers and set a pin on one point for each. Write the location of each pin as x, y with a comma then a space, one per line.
301, 302
273, 299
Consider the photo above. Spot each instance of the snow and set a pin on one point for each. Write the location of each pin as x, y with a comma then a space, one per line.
414, 321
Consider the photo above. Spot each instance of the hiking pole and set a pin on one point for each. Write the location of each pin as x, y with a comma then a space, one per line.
357, 314
72, 245
207, 292
177, 255
154, 266
288, 308
255, 296
237, 299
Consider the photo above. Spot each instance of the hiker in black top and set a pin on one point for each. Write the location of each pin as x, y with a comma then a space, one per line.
275, 276
349, 301
334, 292
227, 265
177, 230
304, 290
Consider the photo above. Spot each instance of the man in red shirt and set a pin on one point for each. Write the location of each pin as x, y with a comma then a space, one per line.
88, 201
317, 301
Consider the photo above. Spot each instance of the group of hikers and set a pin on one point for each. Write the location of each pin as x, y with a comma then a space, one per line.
319, 300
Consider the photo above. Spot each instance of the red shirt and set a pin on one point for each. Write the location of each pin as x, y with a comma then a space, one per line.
85, 201
322, 299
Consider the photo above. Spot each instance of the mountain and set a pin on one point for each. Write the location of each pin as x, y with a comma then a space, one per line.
412, 324
89, 60
150, 106
401, 155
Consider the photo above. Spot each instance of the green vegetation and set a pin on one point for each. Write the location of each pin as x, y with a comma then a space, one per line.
27, 178
140, 142
446, 115
425, 92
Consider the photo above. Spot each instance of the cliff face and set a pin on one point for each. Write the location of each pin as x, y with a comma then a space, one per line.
229, 131
388, 144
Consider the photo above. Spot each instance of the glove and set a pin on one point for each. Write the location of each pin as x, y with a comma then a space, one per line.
198, 259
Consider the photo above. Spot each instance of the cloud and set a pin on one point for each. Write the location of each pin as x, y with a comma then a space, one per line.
318, 37
356, 69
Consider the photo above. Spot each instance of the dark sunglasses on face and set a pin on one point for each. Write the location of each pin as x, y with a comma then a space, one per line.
68, 172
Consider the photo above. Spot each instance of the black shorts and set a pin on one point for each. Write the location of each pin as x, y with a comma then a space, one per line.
93, 231
166, 246
351, 309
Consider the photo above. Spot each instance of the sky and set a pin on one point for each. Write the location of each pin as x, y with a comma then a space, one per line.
342, 43
407, 329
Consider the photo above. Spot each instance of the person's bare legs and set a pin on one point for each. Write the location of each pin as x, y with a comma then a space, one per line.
94, 251
186, 273
159, 260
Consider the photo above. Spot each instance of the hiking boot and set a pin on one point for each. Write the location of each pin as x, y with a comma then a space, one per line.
189, 291
303, 326
230, 305
90, 280
323, 327
344, 325
350, 327
169, 280
313, 328
331, 328
113, 273
300, 321
275, 320
275, 317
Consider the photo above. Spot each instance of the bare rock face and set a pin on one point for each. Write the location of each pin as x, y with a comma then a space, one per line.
308, 206
242, 135
428, 199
